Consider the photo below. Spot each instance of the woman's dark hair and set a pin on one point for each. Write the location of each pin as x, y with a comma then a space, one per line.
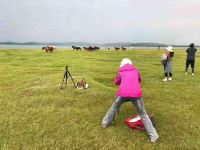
191, 45
171, 54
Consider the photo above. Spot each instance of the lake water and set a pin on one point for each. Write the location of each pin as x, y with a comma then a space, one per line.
10, 46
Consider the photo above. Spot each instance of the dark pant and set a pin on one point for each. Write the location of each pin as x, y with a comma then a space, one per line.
166, 74
190, 62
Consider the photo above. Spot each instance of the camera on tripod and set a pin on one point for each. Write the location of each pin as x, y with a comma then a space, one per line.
79, 85
65, 78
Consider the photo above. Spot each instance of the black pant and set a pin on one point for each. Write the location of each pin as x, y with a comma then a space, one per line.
166, 74
190, 62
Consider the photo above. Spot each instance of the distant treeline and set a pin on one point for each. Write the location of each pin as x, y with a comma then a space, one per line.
125, 44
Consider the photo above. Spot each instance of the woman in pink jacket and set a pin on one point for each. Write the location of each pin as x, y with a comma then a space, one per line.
129, 79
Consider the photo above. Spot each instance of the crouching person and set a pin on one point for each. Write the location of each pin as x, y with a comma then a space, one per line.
129, 79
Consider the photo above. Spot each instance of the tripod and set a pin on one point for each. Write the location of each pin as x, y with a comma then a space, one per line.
66, 77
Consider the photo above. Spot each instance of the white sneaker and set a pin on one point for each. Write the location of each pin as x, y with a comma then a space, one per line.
192, 74
165, 79
186, 73
155, 139
104, 126
170, 79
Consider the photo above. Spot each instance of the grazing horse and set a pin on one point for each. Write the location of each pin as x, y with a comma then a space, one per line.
76, 48
90, 48
117, 48
97, 48
48, 49
86, 48
123, 48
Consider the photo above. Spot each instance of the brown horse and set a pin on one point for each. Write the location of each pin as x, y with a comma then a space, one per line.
48, 49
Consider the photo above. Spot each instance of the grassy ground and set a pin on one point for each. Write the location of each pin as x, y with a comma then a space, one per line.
36, 114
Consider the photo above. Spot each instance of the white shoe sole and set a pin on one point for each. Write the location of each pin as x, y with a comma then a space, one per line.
154, 140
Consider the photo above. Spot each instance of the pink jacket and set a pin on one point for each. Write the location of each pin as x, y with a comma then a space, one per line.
128, 79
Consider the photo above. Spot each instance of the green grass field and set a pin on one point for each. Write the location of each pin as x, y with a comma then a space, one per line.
36, 114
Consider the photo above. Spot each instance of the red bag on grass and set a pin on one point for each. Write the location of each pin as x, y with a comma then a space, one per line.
135, 122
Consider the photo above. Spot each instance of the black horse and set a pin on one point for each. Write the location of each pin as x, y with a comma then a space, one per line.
86, 48
97, 48
90, 48
117, 48
123, 48
76, 48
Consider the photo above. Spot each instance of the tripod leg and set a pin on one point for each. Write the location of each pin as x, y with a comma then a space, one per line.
66, 77
72, 79
62, 81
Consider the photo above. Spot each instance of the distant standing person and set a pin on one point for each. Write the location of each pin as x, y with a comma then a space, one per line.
158, 47
169, 51
191, 50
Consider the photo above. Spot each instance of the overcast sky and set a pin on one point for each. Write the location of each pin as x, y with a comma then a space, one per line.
164, 21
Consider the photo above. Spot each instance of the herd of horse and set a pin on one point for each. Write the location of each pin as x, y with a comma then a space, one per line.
118, 48
50, 49
90, 48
